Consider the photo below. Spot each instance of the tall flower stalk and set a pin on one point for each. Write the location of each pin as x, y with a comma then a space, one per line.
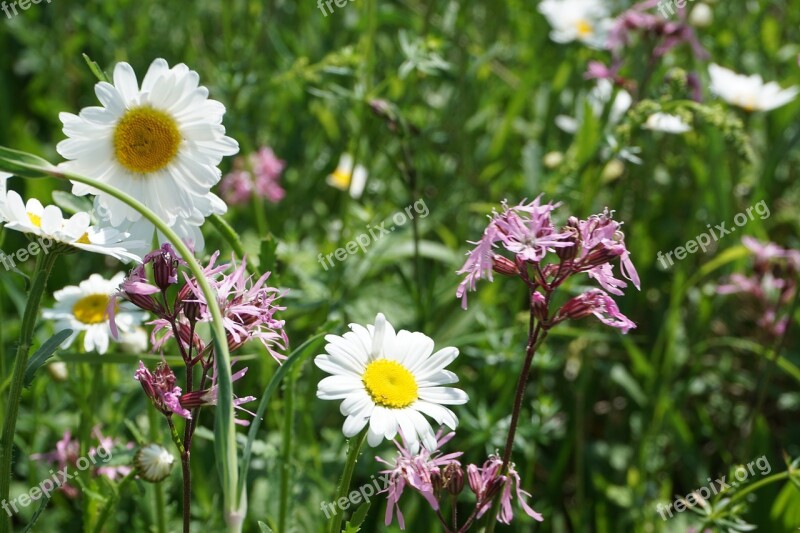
44, 265
544, 258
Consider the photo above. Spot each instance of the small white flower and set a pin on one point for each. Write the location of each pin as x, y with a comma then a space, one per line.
348, 177
49, 223
666, 123
160, 144
153, 463
701, 16
84, 309
749, 92
586, 21
389, 380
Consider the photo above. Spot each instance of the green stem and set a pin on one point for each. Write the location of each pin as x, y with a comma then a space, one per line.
105, 514
230, 235
44, 265
225, 430
347, 476
286, 453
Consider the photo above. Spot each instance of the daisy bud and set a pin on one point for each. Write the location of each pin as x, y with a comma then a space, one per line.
153, 463
504, 266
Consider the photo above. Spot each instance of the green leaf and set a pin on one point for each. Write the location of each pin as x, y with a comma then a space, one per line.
95, 68
44, 353
354, 524
23, 164
70, 203
37, 514
264, 528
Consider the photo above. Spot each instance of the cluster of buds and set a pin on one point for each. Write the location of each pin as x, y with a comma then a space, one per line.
771, 287
248, 308
436, 476
544, 258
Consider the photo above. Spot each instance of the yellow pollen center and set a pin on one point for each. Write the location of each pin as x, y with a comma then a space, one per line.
584, 28
390, 384
84, 239
36, 220
146, 140
91, 309
341, 179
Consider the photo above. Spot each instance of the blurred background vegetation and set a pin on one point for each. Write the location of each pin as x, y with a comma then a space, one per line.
612, 424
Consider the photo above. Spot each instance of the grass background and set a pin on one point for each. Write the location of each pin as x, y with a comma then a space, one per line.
612, 424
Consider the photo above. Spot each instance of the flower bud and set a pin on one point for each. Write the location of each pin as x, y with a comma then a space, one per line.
454, 476
504, 266
153, 463
539, 306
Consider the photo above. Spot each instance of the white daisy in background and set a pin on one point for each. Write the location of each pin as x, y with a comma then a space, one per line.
160, 143
586, 21
84, 309
389, 380
666, 123
349, 177
49, 223
749, 92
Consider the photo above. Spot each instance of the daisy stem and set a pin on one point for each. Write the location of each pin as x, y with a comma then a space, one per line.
44, 265
355, 445
224, 428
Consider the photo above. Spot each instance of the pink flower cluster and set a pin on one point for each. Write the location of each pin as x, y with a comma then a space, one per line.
67, 453
259, 174
433, 475
248, 308
772, 284
545, 257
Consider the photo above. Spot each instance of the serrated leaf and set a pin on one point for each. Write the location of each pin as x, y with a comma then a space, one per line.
44, 353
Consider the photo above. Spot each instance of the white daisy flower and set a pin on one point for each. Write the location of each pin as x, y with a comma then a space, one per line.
586, 21
666, 123
348, 177
153, 463
160, 144
749, 92
49, 223
389, 380
84, 309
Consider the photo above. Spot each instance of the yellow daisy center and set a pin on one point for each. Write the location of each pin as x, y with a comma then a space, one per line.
341, 179
146, 140
36, 220
91, 309
390, 384
84, 239
584, 28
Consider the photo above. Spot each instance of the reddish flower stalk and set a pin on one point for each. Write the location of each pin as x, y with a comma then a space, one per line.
545, 258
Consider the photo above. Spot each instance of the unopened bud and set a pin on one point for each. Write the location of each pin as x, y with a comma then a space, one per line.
539, 306
454, 476
504, 266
